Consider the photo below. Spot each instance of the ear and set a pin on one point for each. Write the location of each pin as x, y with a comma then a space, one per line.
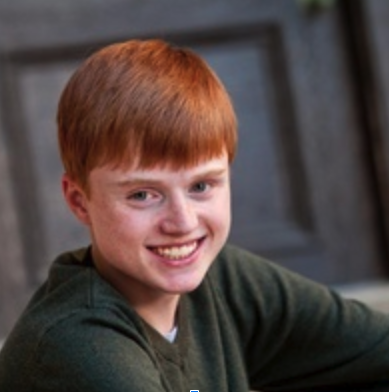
76, 199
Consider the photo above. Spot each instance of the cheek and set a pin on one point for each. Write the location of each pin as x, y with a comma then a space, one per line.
220, 213
119, 224
105, 221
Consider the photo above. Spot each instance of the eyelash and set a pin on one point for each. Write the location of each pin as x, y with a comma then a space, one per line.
134, 196
143, 197
205, 186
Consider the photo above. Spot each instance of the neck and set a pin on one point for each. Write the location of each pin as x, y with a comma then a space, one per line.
160, 313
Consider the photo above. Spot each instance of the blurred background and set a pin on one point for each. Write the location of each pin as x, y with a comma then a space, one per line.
310, 84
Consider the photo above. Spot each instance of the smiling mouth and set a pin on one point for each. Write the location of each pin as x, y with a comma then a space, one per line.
178, 251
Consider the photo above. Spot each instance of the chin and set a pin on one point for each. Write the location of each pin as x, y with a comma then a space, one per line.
185, 288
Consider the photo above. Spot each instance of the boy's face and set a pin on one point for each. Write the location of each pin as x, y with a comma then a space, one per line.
155, 232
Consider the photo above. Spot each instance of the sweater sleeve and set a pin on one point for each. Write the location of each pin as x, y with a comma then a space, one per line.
90, 354
297, 334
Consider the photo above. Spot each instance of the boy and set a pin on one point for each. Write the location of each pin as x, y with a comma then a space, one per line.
158, 302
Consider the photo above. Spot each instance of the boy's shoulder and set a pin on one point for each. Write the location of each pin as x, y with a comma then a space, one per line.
72, 308
73, 294
235, 263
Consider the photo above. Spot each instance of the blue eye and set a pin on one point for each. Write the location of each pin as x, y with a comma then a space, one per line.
143, 198
139, 196
200, 187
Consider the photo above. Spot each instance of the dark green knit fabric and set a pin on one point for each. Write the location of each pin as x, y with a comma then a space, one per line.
250, 325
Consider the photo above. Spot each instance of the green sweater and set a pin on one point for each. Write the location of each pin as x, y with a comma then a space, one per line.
249, 325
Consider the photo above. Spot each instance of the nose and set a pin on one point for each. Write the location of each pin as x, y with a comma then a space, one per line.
180, 217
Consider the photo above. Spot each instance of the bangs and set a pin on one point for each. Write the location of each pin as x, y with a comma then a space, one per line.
174, 140
183, 116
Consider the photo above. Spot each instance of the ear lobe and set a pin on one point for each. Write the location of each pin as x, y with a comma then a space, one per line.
76, 199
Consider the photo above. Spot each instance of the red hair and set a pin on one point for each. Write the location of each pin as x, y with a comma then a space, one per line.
146, 103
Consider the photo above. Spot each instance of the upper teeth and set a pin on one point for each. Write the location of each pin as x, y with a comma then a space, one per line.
177, 252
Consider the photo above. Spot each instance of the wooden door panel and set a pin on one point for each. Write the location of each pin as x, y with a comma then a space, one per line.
60, 231
13, 295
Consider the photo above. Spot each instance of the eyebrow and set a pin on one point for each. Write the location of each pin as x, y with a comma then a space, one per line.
150, 181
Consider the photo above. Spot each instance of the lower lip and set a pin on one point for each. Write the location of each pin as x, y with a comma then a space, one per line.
184, 262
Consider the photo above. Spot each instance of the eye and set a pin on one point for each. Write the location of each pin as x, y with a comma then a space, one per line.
200, 187
143, 197
140, 196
